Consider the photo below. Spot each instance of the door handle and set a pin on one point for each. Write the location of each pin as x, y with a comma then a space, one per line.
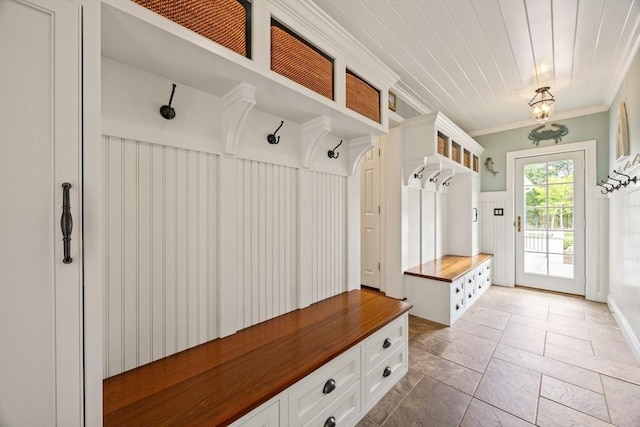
66, 223
519, 223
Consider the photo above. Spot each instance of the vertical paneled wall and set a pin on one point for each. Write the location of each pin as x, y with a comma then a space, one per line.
267, 241
493, 237
414, 217
161, 249
328, 235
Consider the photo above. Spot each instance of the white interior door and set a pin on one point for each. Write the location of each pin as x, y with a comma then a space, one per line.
370, 210
40, 141
550, 220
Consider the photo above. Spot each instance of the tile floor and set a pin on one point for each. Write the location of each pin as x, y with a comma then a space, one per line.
517, 357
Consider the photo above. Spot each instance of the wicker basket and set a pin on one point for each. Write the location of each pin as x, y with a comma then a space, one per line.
226, 22
455, 151
466, 159
442, 145
362, 97
475, 163
297, 60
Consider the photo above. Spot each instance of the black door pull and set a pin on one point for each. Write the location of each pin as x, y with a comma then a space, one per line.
66, 223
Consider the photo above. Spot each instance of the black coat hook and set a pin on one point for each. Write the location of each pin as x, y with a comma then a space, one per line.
332, 153
447, 181
434, 178
418, 175
605, 185
271, 138
629, 179
167, 111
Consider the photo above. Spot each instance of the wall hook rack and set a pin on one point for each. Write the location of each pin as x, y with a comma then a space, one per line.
271, 138
629, 179
447, 181
604, 185
418, 175
167, 111
332, 153
434, 178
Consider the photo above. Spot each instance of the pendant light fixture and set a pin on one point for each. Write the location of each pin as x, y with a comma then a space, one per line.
542, 104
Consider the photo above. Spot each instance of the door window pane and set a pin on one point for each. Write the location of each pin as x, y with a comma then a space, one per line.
535, 241
560, 194
536, 218
561, 171
535, 263
535, 173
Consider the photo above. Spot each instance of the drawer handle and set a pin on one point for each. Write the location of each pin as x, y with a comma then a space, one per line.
470, 294
469, 280
457, 290
331, 422
387, 371
457, 307
480, 285
480, 273
329, 386
386, 343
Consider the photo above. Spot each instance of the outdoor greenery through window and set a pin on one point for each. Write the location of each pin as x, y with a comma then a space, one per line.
549, 218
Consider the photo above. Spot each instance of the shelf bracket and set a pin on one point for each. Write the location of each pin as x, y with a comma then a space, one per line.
445, 178
312, 132
422, 172
357, 149
236, 106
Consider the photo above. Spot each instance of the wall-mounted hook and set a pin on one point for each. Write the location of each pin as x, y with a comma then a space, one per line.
606, 189
418, 175
332, 153
167, 111
447, 181
271, 138
614, 179
629, 179
434, 178
604, 185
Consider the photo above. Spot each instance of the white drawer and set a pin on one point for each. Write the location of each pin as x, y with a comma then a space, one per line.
458, 305
385, 341
308, 398
384, 375
343, 411
457, 288
267, 417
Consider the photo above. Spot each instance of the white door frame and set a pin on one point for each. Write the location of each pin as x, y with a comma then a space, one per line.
591, 232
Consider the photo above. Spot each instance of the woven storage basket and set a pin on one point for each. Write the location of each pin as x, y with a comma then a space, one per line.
466, 159
475, 163
442, 145
224, 21
362, 97
455, 151
297, 60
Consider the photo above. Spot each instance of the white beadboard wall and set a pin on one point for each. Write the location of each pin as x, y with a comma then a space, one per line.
161, 249
492, 235
414, 217
267, 240
328, 235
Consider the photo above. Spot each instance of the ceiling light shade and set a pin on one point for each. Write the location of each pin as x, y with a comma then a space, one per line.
542, 104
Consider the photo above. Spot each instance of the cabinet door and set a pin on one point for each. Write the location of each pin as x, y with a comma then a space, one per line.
40, 296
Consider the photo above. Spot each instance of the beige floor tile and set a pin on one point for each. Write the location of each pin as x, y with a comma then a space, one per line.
430, 403
429, 343
367, 422
524, 338
594, 363
470, 351
385, 407
575, 397
603, 317
612, 346
552, 414
566, 311
553, 368
481, 414
510, 387
559, 328
487, 317
568, 342
408, 382
477, 329
623, 399
457, 376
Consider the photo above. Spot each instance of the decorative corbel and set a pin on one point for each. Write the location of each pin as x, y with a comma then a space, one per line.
312, 132
445, 177
357, 148
236, 106
423, 172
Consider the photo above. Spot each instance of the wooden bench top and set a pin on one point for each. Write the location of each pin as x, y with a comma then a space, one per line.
218, 382
447, 268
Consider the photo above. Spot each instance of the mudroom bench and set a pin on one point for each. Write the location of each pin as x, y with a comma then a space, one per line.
325, 364
442, 289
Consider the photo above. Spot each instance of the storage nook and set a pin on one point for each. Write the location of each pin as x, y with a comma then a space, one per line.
442, 289
442, 186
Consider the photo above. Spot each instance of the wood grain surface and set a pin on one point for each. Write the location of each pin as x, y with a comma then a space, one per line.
220, 381
447, 268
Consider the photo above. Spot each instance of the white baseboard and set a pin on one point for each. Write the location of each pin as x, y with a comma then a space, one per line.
626, 329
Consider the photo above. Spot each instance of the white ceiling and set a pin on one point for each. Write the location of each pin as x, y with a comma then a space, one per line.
480, 61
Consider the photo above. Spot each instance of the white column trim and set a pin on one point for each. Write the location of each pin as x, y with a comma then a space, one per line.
236, 106
357, 148
312, 133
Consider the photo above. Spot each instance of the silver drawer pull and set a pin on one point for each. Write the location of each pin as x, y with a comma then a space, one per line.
329, 386
331, 422
386, 343
387, 371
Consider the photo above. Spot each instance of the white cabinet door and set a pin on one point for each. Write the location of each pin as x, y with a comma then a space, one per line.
40, 142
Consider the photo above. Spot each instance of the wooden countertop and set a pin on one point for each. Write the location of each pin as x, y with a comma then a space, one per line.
448, 268
218, 382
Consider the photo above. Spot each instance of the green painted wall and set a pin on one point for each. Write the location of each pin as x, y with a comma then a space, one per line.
583, 128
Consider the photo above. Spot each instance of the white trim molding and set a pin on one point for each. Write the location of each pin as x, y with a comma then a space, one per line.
312, 133
633, 341
592, 261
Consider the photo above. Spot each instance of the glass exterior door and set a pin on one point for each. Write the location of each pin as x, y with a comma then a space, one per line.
550, 222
